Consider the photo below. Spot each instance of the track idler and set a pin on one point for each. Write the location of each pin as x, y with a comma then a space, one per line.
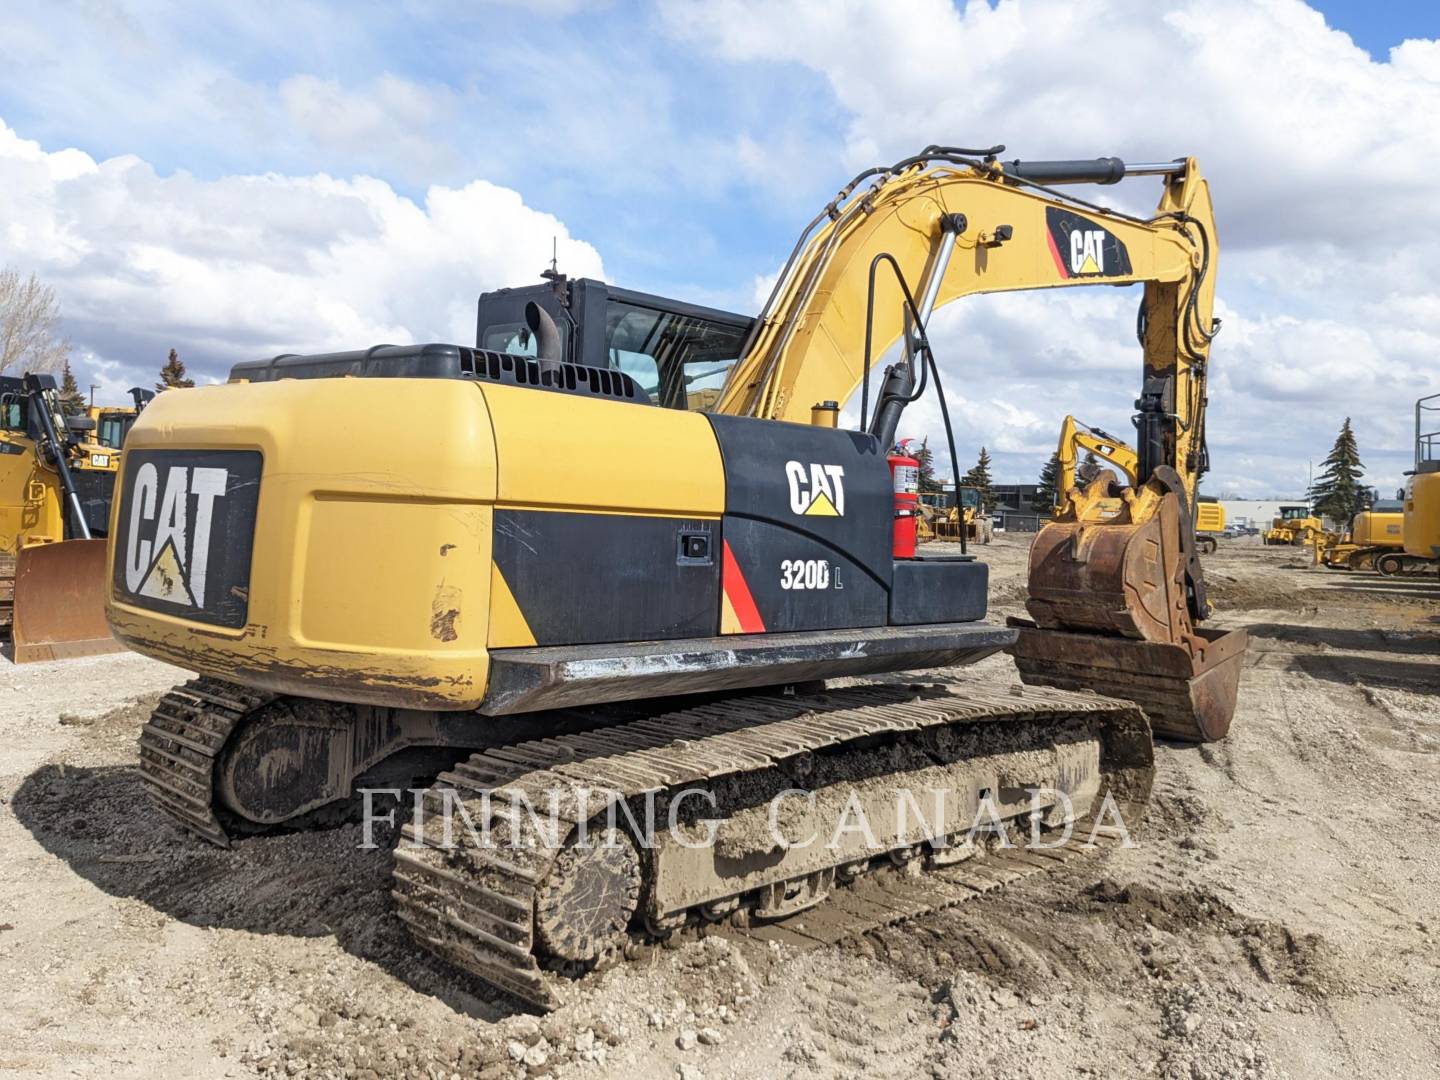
1111, 609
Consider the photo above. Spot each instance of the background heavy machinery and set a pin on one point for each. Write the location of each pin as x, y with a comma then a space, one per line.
1070, 492
1422, 498
1209, 524
55, 490
956, 517
1295, 526
1373, 533
604, 592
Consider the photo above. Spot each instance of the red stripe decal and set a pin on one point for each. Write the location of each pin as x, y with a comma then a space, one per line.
738, 593
1059, 262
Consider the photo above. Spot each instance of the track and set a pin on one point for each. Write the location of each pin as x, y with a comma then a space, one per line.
486, 904
181, 744
7, 593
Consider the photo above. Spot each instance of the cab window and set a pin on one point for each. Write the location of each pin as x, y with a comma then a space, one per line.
680, 361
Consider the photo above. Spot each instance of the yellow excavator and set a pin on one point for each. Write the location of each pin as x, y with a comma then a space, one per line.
1373, 534
55, 488
1070, 492
1422, 499
544, 567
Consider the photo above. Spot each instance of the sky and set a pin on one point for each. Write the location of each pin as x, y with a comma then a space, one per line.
236, 181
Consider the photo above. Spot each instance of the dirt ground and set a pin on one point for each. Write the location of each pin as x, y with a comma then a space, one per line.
1276, 917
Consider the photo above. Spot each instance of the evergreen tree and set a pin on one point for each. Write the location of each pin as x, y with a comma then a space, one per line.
71, 400
173, 373
1336, 492
926, 457
979, 478
1049, 493
1088, 469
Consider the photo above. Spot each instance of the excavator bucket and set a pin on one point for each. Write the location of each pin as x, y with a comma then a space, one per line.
1188, 696
60, 602
1111, 615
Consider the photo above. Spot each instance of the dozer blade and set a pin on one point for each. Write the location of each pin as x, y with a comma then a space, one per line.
60, 602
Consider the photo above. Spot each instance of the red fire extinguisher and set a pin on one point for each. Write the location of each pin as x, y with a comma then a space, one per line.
905, 475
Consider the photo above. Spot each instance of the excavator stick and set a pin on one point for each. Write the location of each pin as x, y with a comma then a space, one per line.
60, 602
1111, 613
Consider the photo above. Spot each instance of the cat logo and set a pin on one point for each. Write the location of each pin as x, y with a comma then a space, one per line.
1083, 248
816, 490
1087, 251
173, 565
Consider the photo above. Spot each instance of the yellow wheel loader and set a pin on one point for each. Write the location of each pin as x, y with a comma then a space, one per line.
626, 626
55, 490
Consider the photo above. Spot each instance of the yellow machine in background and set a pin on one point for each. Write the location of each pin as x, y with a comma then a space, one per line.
1108, 450
1069, 491
475, 589
1422, 497
1373, 534
55, 489
1209, 525
962, 520
1296, 525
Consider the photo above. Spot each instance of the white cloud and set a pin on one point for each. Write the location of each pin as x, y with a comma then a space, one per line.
248, 266
1323, 165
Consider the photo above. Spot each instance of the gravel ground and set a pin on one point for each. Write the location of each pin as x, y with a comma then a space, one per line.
1275, 919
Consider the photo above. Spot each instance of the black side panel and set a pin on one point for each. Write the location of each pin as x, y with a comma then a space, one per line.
938, 591
95, 487
184, 532
588, 578
808, 521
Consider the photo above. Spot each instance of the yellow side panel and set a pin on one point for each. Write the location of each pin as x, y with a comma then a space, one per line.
1422, 515
30, 504
564, 452
1373, 528
415, 594
373, 527
1209, 517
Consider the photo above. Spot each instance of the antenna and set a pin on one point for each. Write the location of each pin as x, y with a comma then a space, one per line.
559, 283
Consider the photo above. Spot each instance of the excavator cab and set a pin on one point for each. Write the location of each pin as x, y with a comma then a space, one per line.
678, 353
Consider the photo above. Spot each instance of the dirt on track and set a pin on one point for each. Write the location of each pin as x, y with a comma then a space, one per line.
1275, 918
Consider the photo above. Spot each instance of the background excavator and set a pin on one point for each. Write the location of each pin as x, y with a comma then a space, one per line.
1422, 498
622, 609
56, 482
1069, 492
1373, 534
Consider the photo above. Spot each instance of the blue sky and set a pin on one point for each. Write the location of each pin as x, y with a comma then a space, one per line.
250, 181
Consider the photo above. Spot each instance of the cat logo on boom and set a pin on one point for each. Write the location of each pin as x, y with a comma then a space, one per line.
172, 566
1083, 248
816, 490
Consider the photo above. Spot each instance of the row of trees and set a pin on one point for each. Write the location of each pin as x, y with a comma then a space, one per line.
1338, 493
